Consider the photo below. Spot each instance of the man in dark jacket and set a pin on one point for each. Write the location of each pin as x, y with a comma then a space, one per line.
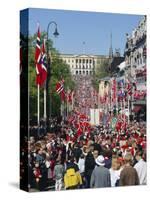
100, 176
89, 166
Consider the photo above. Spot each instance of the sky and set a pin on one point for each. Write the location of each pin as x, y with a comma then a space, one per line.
84, 32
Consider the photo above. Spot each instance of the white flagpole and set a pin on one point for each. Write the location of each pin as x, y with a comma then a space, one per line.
64, 110
45, 114
116, 98
38, 108
61, 109
45, 102
111, 97
128, 110
72, 99
67, 104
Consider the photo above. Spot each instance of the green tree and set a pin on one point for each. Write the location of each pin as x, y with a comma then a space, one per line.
101, 71
59, 70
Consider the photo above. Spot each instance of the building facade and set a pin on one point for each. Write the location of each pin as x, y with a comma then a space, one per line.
82, 64
135, 67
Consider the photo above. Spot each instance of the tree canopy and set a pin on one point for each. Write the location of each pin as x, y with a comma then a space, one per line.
59, 70
101, 71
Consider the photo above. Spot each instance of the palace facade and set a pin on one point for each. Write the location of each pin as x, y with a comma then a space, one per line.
82, 64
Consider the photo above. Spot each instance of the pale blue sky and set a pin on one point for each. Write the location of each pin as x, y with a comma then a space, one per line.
93, 28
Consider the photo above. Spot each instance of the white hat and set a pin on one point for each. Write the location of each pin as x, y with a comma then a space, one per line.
100, 160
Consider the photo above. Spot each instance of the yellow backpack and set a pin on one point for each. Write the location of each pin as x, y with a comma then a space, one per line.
71, 178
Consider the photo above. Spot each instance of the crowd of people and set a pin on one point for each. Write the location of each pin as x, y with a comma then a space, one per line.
77, 155
104, 159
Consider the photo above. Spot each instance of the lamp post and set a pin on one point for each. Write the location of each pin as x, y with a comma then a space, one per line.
47, 94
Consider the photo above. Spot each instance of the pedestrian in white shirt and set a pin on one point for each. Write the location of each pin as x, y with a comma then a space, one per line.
141, 168
114, 171
81, 164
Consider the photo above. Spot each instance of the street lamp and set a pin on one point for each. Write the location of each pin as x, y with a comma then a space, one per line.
47, 93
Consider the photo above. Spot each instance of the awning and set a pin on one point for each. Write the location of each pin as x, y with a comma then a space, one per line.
136, 109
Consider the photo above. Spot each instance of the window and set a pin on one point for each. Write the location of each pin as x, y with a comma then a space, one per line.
135, 60
76, 60
86, 72
80, 72
144, 59
76, 72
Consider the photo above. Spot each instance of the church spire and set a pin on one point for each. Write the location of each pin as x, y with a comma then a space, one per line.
110, 48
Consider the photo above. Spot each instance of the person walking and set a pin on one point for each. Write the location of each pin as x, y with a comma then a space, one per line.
129, 174
81, 165
141, 168
58, 174
89, 166
115, 171
100, 176
72, 177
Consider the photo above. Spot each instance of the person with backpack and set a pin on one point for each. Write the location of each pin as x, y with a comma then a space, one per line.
72, 177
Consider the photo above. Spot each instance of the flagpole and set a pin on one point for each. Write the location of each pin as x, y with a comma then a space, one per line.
64, 111
48, 107
111, 98
38, 109
67, 106
45, 104
61, 110
116, 98
128, 110
72, 100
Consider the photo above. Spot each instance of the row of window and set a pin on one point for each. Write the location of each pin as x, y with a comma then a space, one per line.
84, 61
83, 72
139, 60
80, 61
82, 67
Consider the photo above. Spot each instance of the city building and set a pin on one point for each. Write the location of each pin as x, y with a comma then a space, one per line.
135, 68
82, 64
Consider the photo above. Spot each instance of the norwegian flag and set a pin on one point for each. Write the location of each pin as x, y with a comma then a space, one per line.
121, 83
121, 95
38, 60
69, 96
114, 90
43, 64
129, 88
60, 89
